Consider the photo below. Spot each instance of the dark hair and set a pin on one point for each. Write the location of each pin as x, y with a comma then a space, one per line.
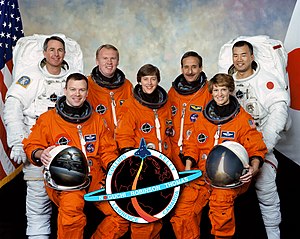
243, 43
148, 70
107, 46
56, 38
77, 76
221, 79
191, 53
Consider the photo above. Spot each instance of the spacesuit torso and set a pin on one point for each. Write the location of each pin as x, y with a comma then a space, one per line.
212, 129
187, 102
141, 119
106, 97
35, 92
266, 99
38, 91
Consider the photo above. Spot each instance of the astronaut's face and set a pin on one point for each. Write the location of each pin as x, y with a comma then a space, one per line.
149, 84
107, 61
76, 92
54, 54
242, 60
190, 68
220, 94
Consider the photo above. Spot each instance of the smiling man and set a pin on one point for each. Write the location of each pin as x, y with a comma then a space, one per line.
109, 87
37, 85
74, 121
187, 96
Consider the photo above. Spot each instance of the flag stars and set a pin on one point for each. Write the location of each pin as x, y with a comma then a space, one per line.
2, 2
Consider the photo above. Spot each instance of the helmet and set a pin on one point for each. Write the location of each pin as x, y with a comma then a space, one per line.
68, 169
225, 164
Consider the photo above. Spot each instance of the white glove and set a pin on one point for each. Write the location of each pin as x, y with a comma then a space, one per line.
17, 154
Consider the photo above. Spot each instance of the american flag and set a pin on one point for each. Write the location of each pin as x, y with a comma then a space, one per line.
10, 31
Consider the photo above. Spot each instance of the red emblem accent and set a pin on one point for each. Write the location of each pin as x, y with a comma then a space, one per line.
270, 85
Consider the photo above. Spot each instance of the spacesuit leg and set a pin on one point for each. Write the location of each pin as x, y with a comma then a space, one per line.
38, 204
112, 226
188, 211
268, 197
146, 230
221, 212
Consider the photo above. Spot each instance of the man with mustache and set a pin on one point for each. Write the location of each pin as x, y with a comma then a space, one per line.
187, 96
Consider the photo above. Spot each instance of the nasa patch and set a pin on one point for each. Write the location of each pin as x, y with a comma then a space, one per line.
24, 81
90, 148
193, 117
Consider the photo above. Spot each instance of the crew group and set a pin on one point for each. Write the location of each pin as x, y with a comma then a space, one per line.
104, 115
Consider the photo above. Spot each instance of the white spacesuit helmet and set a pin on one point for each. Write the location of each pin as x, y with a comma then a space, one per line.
225, 164
68, 169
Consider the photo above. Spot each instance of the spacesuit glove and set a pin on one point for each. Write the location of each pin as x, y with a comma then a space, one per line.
17, 154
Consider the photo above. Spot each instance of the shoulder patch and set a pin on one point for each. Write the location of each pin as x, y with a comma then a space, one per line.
24, 81
252, 123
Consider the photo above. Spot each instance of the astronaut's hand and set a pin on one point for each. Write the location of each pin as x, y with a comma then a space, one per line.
17, 154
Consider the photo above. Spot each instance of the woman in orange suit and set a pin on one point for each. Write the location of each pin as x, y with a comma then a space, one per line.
222, 120
146, 115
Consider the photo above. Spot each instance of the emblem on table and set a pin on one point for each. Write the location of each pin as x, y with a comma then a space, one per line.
142, 185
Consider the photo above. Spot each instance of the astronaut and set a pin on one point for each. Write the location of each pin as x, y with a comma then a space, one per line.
187, 96
146, 115
108, 86
266, 98
74, 120
223, 119
40, 72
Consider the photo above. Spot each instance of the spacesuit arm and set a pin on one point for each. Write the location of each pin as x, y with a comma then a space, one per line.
275, 124
107, 148
14, 121
191, 149
125, 131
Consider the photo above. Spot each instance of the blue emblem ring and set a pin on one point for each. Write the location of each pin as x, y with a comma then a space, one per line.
106, 194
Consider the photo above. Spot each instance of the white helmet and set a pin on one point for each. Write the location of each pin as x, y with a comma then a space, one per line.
226, 163
68, 169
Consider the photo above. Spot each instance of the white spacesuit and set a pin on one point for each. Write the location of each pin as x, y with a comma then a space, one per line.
33, 91
263, 96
